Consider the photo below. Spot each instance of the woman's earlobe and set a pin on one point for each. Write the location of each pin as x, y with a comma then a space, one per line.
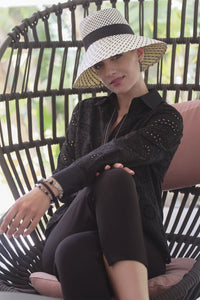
140, 53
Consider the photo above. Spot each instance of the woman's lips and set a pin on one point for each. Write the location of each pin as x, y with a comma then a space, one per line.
117, 81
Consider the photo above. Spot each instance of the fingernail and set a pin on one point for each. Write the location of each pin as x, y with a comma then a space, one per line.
1, 231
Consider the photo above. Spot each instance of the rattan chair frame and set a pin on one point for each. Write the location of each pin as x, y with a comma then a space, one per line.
20, 257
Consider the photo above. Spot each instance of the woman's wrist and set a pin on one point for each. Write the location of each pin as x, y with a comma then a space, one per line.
51, 188
55, 186
43, 195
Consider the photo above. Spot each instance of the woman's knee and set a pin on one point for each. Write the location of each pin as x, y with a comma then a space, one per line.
76, 249
115, 177
115, 190
115, 184
65, 252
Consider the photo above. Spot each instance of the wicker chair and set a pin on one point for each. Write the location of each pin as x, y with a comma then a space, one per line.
40, 59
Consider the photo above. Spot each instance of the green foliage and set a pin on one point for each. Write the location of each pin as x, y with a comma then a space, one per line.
12, 16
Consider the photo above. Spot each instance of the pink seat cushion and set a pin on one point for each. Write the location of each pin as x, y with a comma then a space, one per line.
174, 273
47, 285
184, 169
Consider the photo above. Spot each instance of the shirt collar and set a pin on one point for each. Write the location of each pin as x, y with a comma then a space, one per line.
152, 99
105, 99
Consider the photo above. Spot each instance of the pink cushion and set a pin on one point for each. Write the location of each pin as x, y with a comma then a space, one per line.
47, 285
174, 273
184, 169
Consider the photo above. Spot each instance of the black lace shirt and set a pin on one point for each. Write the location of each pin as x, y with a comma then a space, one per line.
145, 141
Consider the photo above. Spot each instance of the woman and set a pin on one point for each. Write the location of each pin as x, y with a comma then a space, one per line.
108, 238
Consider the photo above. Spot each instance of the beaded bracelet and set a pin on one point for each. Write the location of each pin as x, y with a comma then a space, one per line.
44, 191
49, 189
57, 186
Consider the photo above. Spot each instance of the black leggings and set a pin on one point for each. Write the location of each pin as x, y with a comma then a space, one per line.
102, 219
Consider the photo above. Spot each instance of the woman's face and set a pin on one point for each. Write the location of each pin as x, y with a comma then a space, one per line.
121, 73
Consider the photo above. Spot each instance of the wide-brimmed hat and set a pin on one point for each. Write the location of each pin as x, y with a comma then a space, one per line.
105, 34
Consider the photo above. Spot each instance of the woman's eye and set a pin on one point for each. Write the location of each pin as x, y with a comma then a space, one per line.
116, 56
98, 66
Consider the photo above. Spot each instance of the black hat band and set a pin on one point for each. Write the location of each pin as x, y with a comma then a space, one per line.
106, 31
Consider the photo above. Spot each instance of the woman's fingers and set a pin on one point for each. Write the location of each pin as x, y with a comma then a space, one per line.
107, 167
25, 214
8, 218
27, 225
119, 165
14, 224
24, 224
131, 172
32, 225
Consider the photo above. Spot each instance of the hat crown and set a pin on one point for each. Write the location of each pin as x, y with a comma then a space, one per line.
105, 34
100, 19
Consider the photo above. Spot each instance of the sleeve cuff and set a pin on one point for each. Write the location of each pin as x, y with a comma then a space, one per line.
72, 179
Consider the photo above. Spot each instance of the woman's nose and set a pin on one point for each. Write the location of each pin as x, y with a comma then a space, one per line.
109, 69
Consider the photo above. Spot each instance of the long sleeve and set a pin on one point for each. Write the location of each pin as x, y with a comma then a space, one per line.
156, 141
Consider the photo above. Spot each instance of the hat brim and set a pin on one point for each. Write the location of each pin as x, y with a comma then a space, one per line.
112, 45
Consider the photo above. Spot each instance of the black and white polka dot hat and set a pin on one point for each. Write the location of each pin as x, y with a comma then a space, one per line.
105, 34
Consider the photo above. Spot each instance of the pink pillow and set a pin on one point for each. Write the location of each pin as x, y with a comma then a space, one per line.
48, 285
184, 170
174, 273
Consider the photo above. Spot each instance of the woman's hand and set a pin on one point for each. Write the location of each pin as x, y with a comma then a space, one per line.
117, 166
24, 215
